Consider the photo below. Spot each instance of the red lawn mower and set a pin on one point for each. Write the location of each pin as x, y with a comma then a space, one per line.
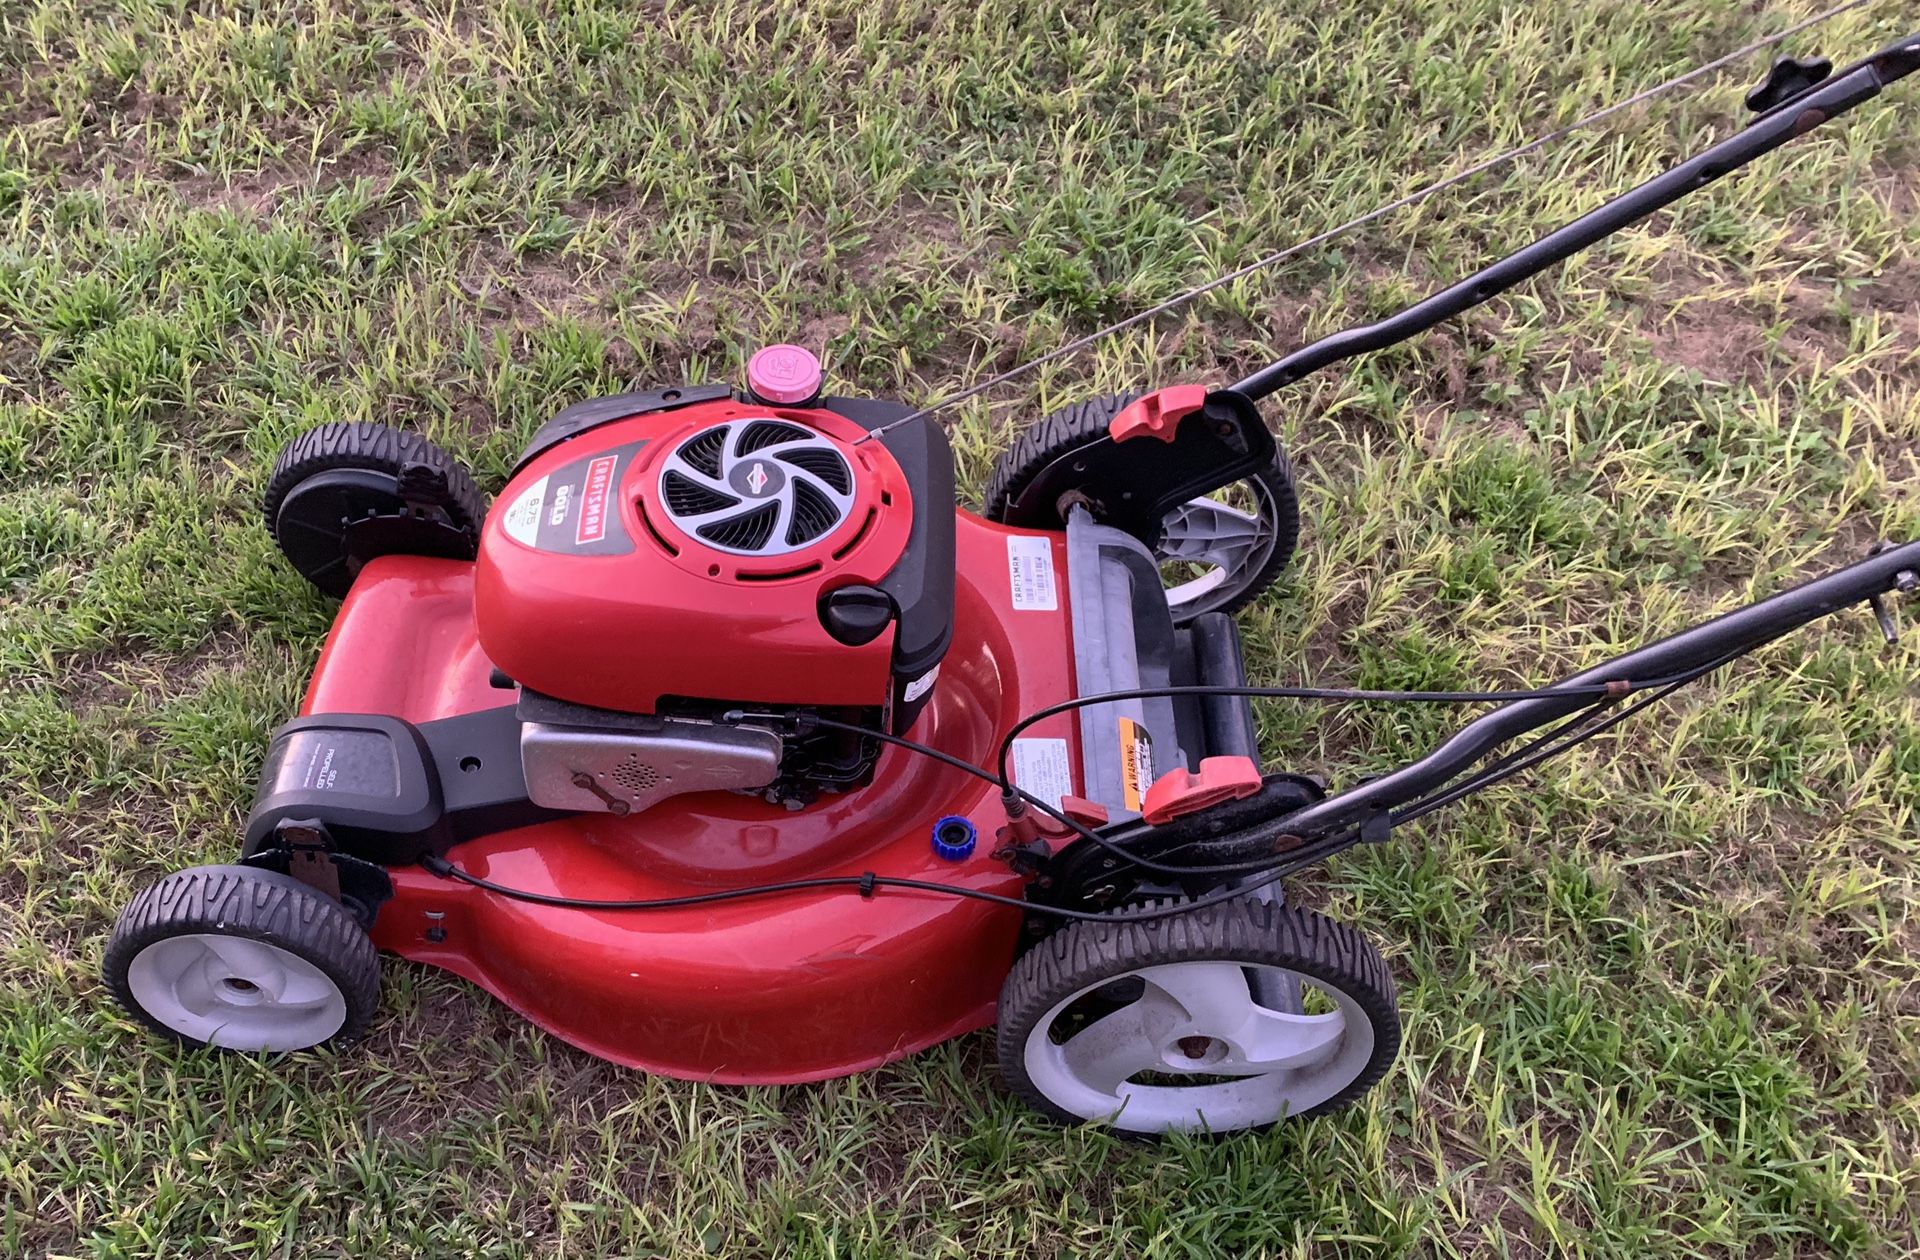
724, 747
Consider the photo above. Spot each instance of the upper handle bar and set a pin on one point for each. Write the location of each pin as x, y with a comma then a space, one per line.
1793, 117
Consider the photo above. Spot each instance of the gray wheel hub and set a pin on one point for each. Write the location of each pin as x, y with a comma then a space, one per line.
1249, 1063
1228, 544
236, 993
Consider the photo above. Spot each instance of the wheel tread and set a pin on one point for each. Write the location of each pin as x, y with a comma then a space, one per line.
380, 449
1248, 928
256, 904
370, 444
1045, 441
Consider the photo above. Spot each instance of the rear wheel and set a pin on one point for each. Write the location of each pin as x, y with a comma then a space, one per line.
346, 492
1216, 553
241, 958
1230, 1017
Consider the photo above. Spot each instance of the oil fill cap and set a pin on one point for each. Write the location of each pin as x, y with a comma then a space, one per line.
786, 375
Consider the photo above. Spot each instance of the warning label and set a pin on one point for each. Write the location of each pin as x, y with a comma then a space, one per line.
575, 509
1030, 568
1136, 762
1040, 766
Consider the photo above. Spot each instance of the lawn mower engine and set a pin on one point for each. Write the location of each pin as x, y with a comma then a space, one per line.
646, 586
675, 662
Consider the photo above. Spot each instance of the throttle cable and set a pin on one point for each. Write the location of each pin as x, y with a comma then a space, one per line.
1333, 233
1263, 871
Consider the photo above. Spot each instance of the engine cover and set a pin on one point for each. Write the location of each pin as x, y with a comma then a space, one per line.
688, 553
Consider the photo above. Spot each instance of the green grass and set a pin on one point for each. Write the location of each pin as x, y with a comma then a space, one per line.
1659, 998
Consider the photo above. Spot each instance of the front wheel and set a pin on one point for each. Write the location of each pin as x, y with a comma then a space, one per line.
1233, 1016
240, 958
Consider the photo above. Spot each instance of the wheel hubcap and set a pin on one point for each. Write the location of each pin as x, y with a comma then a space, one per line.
1211, 548
1216, 1045
236, 993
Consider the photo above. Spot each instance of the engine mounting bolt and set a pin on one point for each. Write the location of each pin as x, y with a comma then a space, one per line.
954, 838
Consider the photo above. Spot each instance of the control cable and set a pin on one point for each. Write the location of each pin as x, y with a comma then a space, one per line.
1262, 871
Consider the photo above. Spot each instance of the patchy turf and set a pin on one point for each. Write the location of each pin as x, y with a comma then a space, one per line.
1659, 1000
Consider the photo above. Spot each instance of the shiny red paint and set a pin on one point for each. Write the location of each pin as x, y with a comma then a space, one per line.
791, 988
675, 617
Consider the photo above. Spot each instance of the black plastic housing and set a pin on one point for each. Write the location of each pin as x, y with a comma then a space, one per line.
594, 412
388, 791
921, 584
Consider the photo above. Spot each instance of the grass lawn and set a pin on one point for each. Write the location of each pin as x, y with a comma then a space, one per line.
1659, 997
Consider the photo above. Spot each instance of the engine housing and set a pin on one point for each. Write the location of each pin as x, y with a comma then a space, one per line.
674, 556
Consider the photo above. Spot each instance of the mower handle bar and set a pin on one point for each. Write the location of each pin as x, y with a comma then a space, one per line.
1783, 122
1732, 634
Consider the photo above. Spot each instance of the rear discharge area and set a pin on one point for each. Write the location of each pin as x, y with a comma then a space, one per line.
1235, 1014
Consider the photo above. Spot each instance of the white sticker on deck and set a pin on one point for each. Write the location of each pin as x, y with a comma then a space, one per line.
523, 518
918, 687
1030, 565
1040, 766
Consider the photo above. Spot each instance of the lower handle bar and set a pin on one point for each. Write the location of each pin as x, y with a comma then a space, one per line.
1732, 634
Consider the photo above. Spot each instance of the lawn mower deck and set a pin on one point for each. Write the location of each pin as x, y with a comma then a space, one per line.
739, 992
